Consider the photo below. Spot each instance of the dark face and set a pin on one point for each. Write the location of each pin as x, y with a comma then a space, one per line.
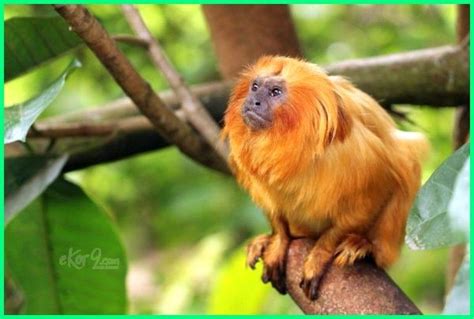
265, 94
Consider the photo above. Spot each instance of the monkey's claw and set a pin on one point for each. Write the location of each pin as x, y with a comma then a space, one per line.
310, 287
275, 274
255, 249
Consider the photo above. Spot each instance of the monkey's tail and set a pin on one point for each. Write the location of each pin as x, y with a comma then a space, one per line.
415, 143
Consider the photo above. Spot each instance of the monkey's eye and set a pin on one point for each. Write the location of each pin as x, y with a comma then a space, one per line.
275, 92
254, 87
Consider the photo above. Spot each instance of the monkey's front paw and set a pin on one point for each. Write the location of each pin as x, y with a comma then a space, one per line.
274, 263
256, 248
274, 272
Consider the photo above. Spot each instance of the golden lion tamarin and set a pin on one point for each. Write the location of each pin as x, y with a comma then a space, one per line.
324, 161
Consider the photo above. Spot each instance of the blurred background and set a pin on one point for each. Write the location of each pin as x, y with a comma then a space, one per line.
185, 227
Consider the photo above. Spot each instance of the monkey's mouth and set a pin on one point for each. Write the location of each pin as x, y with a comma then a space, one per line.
255, 120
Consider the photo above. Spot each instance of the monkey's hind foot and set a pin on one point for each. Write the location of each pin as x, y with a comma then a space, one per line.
256, 248
272, 250
274, 263
314, 269
352, 248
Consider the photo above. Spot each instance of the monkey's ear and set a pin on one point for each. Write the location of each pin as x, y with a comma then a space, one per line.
344, 122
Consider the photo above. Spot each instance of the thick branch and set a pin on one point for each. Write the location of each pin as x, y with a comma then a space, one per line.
438, 76
359, 289
167, 124
214, 95
195, 112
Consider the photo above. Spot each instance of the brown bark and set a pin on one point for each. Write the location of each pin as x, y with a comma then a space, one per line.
167, 124
359, 289
243, 33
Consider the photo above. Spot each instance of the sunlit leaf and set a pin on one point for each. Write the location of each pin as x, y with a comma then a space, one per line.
30, 42
26, 178
429, 224
457, 302
19, 118
65, 255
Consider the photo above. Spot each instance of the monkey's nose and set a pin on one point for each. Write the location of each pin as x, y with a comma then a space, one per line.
257, 103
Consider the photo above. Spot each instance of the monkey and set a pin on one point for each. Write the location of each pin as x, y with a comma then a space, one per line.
324, 161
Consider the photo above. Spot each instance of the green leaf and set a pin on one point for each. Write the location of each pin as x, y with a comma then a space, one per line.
429, 224
19, 118
457, 302
26, 178
65, 254
30, 42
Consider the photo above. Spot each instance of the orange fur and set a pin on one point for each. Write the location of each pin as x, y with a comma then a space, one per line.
332, 165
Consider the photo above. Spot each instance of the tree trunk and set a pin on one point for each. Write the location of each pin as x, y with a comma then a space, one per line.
242, 33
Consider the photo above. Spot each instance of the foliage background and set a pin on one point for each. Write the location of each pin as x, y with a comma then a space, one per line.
185, 227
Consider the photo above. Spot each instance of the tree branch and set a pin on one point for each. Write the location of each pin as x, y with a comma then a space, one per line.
167, 124
359, 289
437, 76
195, 112
132, 40
60, 130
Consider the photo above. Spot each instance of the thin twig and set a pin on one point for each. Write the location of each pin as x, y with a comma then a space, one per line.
195, 112
131, 39
169, 126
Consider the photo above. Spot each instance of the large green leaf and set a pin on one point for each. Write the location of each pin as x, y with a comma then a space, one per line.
32, 41
26, 178
65, 254
429, 224
457, 302
19, 118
